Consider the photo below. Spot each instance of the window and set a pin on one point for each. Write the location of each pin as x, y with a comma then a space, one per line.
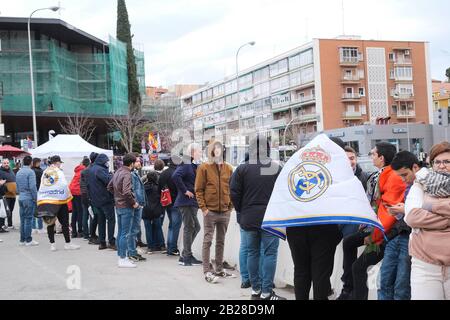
307, 75
361, 73
245, 81
349, 55
391, 56
349, 91
362, 92
363, 109
279, 68
394, 109
219, 91
230, 87
306, 58
296, 79
405, 89
246, 96
294, 62
403, 73
391, 74
262, 90
261, 75
281, 100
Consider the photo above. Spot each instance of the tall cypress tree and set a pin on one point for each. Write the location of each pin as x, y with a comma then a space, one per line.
124, 35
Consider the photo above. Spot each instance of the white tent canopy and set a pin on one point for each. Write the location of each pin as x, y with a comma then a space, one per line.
71, 148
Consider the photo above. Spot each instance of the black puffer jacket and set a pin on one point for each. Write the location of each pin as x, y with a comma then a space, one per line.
362, 176
252, 187
153, 209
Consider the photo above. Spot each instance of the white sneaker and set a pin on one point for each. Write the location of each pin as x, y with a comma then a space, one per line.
21, 244
42, 231
32, 244
211, 278
11, 228
70, 246
126, 264
34, 231
53, 247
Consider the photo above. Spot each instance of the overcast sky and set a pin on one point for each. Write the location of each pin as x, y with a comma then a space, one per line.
195, 41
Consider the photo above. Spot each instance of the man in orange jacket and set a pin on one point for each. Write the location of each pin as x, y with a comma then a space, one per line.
384, 189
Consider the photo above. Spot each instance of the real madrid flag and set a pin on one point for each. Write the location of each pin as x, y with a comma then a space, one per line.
317, 186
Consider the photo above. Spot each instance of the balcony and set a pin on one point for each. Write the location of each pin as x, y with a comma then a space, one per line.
403, 114
303, 99
351, 96
349, 61
352, 115
309, 117
351, 79
403, 61
402, 96
280, 123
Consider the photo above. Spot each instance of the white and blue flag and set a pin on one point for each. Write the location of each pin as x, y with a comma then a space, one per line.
317, 186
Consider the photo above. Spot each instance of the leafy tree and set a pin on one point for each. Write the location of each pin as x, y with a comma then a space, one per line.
124, 35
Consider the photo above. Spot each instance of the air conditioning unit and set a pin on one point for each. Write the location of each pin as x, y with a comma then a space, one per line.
407, 52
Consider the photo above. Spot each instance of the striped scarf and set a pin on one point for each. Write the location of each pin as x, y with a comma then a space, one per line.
436, 184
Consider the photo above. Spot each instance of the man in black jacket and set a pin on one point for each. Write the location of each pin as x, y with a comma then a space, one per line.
38, 225
102, 201
251, 188
91, 229
175, 218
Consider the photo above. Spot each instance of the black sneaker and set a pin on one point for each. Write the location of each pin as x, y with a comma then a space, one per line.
141, 258
227, 266
163, 250
175, 253
196, 262
94, 241
187, 262
246, 285
273, 296
2, 230
255, 296
102, 246
345, 295
140, 244
134, 258
181, 261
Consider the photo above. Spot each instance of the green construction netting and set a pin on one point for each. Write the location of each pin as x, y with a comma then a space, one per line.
65, 81
140, 70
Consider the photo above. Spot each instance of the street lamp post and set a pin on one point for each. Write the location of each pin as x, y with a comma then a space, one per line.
33, 99
252, 43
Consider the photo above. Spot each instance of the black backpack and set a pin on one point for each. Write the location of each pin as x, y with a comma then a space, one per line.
153, 208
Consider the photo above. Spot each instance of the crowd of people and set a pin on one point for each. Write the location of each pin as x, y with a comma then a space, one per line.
412, 203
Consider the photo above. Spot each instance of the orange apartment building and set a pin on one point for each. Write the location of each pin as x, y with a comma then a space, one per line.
324, 85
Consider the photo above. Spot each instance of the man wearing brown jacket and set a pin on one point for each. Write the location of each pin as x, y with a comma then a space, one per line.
212, 189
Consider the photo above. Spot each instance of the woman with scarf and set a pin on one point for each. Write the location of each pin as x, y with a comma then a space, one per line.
428, 213
53, 197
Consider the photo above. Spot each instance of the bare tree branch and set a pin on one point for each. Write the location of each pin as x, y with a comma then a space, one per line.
79, 124
128, 126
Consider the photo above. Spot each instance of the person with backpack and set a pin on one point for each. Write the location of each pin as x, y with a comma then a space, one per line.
152, 214
169, 194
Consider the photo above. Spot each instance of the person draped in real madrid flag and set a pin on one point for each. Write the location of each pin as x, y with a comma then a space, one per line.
316, 191
53, 197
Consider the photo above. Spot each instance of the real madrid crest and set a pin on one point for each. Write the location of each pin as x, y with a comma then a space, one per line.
311, 179
50, 177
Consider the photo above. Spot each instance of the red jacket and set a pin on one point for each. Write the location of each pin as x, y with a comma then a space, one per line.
392, 189
75, 184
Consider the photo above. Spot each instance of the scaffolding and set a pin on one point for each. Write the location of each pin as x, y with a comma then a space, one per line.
66, 82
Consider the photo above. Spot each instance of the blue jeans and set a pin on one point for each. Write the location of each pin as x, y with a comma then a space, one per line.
38, 224
396, 270
243, 258
154, 233
124, 219
176, 221
135, 230
257, 241
27, 208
